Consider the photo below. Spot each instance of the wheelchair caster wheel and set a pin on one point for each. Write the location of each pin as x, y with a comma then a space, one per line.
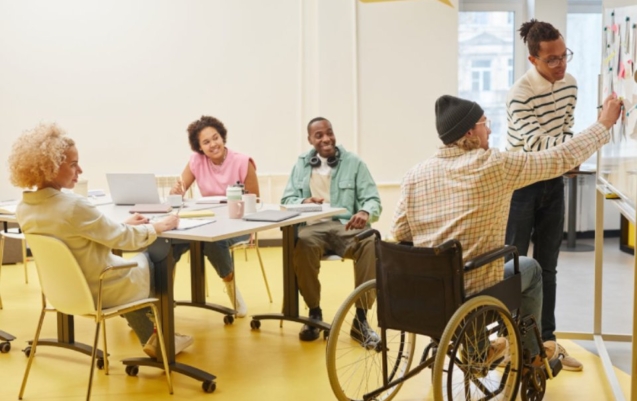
228, 319
5, 347
99, 363
209, 386
132, 370
533, 385
255, 324
27, 351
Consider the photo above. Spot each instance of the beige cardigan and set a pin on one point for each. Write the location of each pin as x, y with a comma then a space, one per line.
90, 236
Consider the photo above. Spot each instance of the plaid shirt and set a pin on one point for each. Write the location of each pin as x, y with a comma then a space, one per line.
466, 195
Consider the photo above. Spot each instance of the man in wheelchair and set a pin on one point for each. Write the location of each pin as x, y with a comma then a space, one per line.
464, 191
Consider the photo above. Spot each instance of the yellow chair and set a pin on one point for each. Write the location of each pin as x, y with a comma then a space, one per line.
252, 243
65, 288
166, 182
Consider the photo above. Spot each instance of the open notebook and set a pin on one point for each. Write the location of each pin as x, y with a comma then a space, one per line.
185, 224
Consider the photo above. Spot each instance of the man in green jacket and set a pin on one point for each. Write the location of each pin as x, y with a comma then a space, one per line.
330, 174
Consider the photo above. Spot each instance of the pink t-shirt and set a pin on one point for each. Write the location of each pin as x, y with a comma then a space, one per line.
213, 180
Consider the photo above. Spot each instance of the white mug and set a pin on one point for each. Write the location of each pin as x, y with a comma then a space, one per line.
250, 201
81, 187
175, 200
235, 209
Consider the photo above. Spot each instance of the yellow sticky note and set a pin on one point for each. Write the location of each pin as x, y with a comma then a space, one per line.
196, 213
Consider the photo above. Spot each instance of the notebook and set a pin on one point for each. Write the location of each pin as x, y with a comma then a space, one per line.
212, 200
270, 215
133, 188
303, 207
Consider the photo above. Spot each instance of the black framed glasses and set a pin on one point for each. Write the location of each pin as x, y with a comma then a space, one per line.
556, 61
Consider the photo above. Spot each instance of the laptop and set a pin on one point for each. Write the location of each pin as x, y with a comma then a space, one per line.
270, 215
133, 188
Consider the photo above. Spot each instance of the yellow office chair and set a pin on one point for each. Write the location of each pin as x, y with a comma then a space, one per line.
252, 243
65, 288
166, 182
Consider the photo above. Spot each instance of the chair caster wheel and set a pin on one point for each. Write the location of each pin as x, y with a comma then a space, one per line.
27, 351
209, 386
228, 319
132, 370
255, 324
99, 363
5, 347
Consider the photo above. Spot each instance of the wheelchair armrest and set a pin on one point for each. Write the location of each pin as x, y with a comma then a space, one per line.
367, 233
492, 255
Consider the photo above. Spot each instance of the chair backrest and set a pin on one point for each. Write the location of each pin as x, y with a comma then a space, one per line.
61, 278
166, 182
418, 289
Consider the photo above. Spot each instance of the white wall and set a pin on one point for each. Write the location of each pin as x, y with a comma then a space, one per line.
125, 78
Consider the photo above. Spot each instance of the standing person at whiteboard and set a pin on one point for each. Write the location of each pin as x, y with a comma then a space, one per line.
540, 114
215, 167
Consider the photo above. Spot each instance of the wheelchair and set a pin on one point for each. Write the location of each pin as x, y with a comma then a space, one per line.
420, 291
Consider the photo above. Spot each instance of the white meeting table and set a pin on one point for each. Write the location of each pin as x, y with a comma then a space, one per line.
222, 228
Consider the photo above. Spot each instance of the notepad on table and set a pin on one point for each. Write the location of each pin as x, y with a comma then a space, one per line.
303, 207
185, 224
189, 214
151, 208
212, 199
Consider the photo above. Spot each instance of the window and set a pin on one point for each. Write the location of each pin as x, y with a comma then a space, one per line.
480, 75
485, 64
582, 37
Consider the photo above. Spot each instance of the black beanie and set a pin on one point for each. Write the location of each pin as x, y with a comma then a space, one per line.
455, 117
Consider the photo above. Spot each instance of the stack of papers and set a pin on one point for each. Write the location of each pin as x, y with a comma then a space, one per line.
8, 208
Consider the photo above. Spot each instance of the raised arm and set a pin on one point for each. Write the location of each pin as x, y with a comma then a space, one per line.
182, 185
252, 182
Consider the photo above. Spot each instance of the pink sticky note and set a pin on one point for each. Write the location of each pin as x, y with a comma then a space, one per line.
622, 71
615, 27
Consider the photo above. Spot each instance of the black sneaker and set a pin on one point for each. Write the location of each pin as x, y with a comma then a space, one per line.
363, 334
310, 333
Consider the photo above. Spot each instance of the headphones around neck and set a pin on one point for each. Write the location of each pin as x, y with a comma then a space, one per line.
332, 161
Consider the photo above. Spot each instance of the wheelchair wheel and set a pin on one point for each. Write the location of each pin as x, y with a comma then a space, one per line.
467, 366
355, 367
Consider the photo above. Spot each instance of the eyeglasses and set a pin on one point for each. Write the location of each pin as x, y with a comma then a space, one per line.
556, 61
487, 123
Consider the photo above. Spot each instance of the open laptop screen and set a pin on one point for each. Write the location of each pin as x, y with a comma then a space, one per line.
132, 188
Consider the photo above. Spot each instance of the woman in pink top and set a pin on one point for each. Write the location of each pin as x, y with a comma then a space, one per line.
215, 167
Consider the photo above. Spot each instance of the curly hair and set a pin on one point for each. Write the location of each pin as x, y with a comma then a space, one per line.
466, 143
534, 32
37, 154
197, 126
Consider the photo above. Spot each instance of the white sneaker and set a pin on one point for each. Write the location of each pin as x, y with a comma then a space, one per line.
181, 343
233, 293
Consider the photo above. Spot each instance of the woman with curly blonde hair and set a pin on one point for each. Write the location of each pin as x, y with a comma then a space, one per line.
45, 161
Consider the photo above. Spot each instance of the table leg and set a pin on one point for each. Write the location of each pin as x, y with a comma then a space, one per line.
571, 245
66, 338
290, 288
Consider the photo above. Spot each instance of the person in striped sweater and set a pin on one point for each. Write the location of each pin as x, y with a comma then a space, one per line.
540, 112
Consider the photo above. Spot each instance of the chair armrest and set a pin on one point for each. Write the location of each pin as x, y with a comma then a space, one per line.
492, 255
367, 233
109, 269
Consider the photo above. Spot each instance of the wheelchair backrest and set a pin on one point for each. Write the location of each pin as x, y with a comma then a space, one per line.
418, 289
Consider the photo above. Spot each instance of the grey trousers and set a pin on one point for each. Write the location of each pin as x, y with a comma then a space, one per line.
314, 240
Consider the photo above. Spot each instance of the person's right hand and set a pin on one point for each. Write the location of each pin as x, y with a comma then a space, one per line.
177, 189
313, 199
611, 110
167, 223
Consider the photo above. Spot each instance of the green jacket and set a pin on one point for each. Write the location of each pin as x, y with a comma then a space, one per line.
352, 186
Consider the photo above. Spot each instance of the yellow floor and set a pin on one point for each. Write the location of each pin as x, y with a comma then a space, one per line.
270, 364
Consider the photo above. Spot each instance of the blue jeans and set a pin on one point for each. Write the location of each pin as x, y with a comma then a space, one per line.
218, 253
531, 295
157, 254
537, 214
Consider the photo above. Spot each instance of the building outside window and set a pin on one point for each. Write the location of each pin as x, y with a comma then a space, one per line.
485, 71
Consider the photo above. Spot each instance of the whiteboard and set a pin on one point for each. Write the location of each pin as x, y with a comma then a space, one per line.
617, 167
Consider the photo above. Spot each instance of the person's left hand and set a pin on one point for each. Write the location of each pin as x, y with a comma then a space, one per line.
359, 220
136, 219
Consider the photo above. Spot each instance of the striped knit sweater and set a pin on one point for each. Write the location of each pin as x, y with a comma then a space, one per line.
540, 114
